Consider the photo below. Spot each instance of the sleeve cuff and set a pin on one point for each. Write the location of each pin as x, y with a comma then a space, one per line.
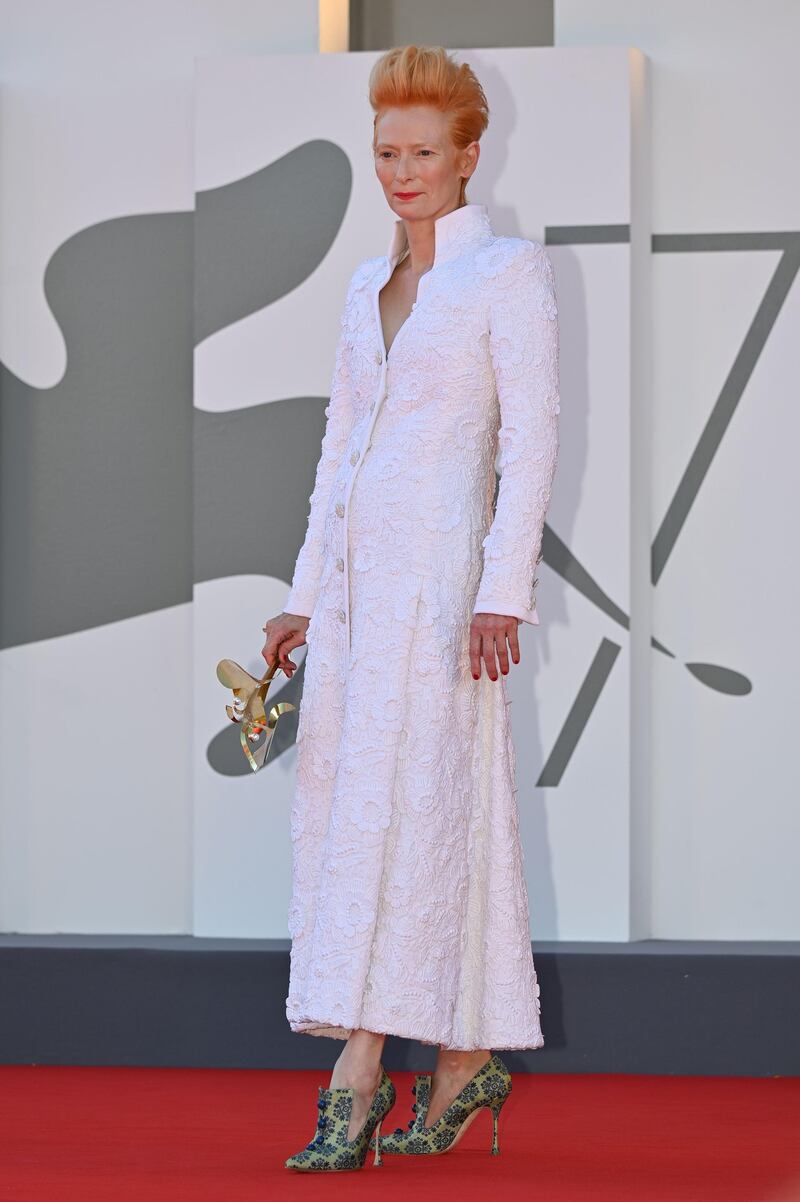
490, 606
296, 603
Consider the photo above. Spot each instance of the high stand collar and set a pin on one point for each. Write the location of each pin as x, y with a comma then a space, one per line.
452, 231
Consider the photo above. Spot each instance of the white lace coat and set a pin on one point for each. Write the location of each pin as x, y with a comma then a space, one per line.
409, 909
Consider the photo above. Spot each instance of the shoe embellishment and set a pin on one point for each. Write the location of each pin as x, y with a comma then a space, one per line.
330, 1149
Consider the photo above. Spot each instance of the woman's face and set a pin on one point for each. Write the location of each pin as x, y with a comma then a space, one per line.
419, 168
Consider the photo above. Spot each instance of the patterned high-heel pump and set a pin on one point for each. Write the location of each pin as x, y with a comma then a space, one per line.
330, 1149
489, 1087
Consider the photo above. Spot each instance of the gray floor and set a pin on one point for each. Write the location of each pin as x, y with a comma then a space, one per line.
655, 1007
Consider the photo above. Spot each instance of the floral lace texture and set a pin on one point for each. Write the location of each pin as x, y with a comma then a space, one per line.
409, 910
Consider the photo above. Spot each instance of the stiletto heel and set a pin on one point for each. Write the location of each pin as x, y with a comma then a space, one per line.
330, 1149
489, 1088
496, 1107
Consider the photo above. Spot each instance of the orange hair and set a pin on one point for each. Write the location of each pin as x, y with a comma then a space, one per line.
407, 75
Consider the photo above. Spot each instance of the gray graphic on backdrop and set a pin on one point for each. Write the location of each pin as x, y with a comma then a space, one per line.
726, 403
96, 473
560, 559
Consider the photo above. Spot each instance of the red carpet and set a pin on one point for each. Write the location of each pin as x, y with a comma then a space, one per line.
190, 1135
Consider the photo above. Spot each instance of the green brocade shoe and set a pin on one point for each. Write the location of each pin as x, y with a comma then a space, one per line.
490, 1087
330, 1149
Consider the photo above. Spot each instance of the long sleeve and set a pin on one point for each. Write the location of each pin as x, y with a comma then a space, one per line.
524, 347
340, 417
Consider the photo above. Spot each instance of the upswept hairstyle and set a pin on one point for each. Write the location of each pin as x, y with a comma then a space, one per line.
407, 75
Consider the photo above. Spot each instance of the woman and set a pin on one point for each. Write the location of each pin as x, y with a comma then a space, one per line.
409, 911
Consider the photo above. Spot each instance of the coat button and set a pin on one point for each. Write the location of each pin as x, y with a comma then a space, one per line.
372, 406
340, 564
339, 509
378, 357
354, 457
340, 614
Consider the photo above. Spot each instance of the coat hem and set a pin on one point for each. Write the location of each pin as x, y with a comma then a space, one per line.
337, 1031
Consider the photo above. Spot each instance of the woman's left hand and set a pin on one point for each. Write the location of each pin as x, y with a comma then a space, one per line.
490, 637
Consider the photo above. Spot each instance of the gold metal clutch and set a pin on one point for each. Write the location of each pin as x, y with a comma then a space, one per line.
249, 707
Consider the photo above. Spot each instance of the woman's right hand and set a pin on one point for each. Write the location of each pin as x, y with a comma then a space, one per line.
284, 632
